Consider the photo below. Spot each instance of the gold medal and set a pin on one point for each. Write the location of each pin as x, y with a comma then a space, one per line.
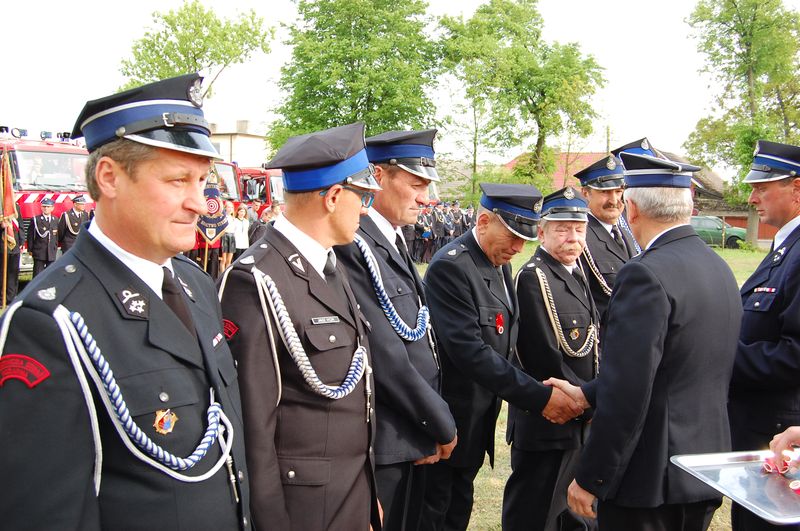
165, 421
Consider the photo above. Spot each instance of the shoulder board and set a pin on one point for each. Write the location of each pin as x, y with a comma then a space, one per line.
252, 256
452, 252
50, 289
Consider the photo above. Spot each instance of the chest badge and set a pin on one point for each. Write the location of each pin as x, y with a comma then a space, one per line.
574, 334
499, 323
135, 304
165, 421
779, 254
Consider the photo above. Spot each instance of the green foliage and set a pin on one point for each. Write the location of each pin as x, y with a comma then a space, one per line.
352, 60
751, 47
193, 39
486, 174
532, 89
536, 171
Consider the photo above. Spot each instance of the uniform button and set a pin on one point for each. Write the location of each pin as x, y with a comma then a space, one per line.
574, 321
424, 422
290, 474
241, 476
70, 268
163, 396
399, 290
599, 481
332, 338
757, 304
244, 521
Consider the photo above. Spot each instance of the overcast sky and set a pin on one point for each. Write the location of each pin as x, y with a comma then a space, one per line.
58, 55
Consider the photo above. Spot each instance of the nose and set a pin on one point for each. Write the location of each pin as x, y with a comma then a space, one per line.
517, 244
196, 200
752, 198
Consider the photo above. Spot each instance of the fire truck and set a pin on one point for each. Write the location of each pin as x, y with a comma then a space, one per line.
44, 167
243, 185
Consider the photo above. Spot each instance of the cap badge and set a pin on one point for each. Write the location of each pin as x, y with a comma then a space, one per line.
645, 145
538, 206
611, 164
569, 194
499, 323
165, 421
195, 93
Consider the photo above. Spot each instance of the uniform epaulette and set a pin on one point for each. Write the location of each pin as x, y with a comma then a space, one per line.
454, 251
185, 259
51, 289
253, 255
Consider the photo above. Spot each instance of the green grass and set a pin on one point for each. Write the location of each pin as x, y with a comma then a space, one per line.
490, 482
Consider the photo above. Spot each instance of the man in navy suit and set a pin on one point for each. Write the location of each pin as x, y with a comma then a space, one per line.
765, 388
667, 356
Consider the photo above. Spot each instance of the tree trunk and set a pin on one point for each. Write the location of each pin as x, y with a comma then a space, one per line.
752, 227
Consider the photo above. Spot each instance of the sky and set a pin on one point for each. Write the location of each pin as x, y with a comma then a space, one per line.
58, 55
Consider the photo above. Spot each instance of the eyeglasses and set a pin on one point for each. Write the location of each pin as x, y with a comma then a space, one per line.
367, 196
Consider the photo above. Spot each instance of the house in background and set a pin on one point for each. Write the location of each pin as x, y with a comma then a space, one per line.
240, 144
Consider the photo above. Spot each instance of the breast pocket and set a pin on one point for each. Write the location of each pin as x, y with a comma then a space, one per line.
488, 316
759, 302
574, 326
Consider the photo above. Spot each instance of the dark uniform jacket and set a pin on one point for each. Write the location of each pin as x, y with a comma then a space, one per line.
539, 353
309, 456
765, 389
667, 356
48, 454
476, 327
43, 238
69, 225
412, 416
423, 225
437, 223
608, 258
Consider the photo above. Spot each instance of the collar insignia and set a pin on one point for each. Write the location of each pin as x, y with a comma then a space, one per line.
48, 294
134, 304
247, 260
296, 262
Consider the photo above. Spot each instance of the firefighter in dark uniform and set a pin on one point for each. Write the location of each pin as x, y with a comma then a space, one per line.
558, 337
437, 227
43, 237
414, 424
300, 342
120, 401
71, 221
458, 220
765, 387
608, 245
475, 316
667, 352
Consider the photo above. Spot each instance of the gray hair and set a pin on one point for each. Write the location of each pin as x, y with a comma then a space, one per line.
662, 204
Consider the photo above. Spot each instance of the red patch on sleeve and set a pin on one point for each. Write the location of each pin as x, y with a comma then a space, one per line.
21, 367
229, 328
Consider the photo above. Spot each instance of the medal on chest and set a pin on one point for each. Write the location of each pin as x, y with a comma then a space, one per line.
499, 323
165, 421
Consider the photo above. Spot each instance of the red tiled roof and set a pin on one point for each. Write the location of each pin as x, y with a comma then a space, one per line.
566, 167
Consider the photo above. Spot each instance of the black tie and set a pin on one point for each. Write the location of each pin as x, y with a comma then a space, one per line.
618, 238
173, 297
330, 267
576, 272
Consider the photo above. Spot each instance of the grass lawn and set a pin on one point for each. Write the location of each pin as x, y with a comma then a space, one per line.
490, 482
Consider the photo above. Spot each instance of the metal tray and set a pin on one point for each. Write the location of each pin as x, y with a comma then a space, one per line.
740, 476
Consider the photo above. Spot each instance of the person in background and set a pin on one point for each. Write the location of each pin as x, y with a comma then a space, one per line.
765, 387
43, 237
257, 229
71, 221
241, 226
228, 244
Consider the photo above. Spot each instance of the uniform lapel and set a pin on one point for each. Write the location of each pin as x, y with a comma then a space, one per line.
489, 272
558, 269
164, 330
373, 234
604, 236
772, 259
317, 287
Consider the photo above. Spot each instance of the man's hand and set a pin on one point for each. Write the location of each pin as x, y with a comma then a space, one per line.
430, 459
782, 444
446, 450
561, 407
580, 500
572, 391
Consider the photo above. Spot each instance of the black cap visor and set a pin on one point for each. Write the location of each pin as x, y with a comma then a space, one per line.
607, 182
760, 173
415, 167
191, 142
565, 214
520, 226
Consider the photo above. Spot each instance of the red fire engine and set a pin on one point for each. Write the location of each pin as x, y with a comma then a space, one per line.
44, 167
238, 184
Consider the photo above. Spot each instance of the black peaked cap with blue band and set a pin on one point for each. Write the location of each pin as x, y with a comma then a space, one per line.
410, 150
517, 206
47, 202
566, 204
638, 147
773, 162
605, 174
165, 114
642, 171
319, 160
79, 199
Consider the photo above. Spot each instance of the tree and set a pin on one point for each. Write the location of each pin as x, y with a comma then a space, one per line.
533, 90
193, 39
357, 60
751, 48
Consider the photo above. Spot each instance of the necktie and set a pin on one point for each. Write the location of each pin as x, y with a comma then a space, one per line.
401, 248
505, 286
576, 272
618, 238
173, 297
330, 267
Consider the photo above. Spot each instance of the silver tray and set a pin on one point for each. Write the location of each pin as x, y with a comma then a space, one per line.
740, 477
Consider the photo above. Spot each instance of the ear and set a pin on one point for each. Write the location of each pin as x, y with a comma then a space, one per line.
796, 189
631, 211
332, 198
483, 221
379, 173
585, 192
107, 174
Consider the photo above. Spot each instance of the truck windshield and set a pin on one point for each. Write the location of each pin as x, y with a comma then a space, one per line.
227, 182
50, 170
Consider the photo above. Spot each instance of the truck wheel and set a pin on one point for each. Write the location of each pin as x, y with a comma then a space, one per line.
732, 242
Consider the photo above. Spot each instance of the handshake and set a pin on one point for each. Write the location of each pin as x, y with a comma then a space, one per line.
566, 402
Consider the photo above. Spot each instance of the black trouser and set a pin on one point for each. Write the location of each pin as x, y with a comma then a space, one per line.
448, 497
12, 277
40, 265
672, 517
401, 490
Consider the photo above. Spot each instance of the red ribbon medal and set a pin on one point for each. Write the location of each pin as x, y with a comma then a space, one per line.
498, 323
